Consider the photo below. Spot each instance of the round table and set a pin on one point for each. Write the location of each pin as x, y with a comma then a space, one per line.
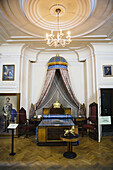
69, 139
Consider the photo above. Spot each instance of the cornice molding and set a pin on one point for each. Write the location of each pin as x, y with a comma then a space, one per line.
12, 49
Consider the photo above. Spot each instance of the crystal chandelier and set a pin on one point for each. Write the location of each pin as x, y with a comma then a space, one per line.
58, 40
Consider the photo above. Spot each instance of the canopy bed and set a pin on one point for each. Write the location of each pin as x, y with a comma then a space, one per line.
57, 87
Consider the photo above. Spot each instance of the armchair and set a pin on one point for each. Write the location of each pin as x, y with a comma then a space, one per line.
92, 126
25, 128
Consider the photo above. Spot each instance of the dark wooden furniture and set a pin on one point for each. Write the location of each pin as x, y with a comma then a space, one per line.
52, 125
69, 154
92, 126
56, 111
80, 122
52, 133
35, 121
25, 128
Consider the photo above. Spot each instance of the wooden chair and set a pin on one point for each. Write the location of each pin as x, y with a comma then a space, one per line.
25, 128
92, 126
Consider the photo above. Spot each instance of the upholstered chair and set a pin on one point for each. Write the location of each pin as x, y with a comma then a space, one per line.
25, 128
92, 122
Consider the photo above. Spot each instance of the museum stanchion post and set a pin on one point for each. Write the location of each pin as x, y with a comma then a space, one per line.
12, 127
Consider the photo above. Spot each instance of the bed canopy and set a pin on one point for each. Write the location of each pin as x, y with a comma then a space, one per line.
57, 87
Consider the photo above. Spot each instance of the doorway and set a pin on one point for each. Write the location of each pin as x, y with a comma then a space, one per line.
107, 110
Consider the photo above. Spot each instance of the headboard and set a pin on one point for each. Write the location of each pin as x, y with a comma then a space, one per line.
56, 108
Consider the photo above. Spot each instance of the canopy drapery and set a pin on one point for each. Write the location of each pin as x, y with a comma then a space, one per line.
57, 86
48, 83
67, 82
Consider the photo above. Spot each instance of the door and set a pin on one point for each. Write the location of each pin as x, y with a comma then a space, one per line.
107, 110
106, 103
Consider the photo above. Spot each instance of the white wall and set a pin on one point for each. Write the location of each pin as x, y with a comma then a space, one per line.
10, 55
76, 74
85, 71
75, 69
86, 56
33, 85
103, 56
31, 68
38, 78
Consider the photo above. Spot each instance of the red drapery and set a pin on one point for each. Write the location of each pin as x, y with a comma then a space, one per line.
48, 82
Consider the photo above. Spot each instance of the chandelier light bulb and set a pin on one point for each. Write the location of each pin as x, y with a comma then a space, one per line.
68, 33
46, 36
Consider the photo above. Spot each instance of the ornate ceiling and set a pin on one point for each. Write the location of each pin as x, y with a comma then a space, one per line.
28, 21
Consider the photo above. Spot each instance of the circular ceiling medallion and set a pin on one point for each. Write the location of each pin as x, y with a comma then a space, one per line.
37, 17
55, 7
43, 15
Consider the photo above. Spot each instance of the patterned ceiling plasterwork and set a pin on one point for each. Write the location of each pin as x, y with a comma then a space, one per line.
39, 13
30, 20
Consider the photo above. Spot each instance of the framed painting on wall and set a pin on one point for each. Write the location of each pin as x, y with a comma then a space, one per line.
8, 72
9, 111
107, 70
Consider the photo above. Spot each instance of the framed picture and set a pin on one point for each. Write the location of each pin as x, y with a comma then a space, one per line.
9, 111
107, 70
8, 72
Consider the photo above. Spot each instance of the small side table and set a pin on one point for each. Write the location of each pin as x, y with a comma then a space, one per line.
12, 127
69, 154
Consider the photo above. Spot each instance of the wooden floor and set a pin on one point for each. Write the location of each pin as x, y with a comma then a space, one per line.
90, 155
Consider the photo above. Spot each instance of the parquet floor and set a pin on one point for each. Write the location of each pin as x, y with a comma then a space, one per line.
90, 155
